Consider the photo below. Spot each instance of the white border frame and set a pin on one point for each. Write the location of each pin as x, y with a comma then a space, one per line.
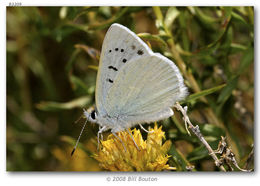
86, 178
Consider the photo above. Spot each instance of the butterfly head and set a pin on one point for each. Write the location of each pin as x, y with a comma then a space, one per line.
91, 114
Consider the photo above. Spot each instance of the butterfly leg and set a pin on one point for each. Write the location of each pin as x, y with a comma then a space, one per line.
145, 129
119, 139
101, 129
101, 135
133, 139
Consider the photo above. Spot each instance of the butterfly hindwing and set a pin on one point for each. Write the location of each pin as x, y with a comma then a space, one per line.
145, 89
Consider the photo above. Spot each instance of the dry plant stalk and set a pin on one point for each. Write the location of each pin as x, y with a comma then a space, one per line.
196, 131
227, 156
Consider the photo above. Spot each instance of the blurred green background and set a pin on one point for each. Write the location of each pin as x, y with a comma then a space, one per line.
52, 59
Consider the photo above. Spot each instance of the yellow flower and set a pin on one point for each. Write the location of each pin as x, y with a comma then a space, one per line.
152, 155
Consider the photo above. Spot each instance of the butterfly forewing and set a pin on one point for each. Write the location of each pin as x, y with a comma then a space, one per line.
120, 47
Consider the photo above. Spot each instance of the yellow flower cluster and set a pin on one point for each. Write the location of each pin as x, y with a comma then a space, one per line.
152, 155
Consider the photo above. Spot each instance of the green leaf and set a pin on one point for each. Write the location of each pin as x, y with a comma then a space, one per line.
235, 47
155, 38
179, 125
208, 49
201, 152
184, 29
85, 11
227, 91
179, 159
56, 106
171, 15
77, 83
202, 93
105, 10
250, 13
212, 130
63, 12
93, 67
77, 26
227, 40
246, 60
165, 37
198, 154
204, 18
69, 64
98, 25
107, 23
238, 17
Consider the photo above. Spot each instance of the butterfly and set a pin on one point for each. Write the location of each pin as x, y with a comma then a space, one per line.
134, 85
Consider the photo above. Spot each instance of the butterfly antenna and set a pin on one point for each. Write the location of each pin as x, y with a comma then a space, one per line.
72, 152
78, 119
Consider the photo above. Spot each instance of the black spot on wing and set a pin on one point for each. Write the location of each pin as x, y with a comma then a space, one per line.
114, 68
110, 80
140, 52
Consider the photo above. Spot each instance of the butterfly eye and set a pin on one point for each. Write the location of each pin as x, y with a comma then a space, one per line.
93, 114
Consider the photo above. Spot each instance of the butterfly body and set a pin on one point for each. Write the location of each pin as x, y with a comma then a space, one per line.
108, 122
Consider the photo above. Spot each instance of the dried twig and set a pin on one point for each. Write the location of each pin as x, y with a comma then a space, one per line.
250, 158
196, 131
227, 156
